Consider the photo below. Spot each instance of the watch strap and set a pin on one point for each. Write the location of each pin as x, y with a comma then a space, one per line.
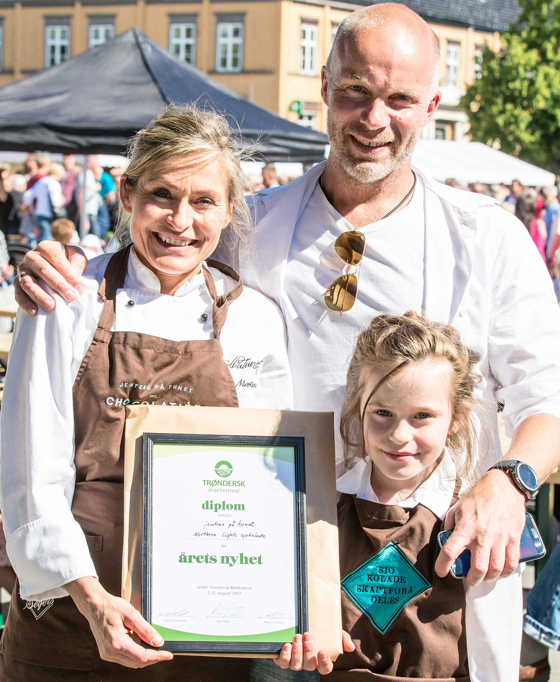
510, 466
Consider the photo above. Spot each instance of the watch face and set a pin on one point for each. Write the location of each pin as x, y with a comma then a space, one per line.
528, 477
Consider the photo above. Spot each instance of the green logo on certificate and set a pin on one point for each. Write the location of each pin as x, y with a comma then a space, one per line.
223, 469
382, 586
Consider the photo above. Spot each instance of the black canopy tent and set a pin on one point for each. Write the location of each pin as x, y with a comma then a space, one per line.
95, 102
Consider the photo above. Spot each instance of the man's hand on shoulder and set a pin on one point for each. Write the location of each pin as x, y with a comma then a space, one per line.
488, 521
58, 265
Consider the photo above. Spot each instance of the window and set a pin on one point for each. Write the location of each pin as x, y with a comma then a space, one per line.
444, 130
308, 114
100, 33
229, 46
478, 51
308, 49
57, 44
182, 40
308, 121
452, 62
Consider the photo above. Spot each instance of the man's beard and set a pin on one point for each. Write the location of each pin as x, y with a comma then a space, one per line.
362, 170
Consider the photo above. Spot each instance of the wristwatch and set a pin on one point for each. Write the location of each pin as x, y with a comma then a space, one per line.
522, 475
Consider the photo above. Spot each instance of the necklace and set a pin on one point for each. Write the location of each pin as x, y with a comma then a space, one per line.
396, 208
350, 246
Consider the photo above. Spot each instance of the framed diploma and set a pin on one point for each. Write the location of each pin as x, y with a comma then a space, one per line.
224, 541
230, 528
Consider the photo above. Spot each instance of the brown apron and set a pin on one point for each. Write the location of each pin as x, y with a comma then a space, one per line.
119, 368
406, 622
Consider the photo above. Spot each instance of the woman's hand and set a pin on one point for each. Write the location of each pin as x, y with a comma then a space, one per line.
112, 621
301, 654
58, 265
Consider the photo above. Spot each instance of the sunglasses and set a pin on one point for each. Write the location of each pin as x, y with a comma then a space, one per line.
341, 295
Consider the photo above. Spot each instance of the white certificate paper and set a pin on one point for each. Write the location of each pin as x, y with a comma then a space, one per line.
223, 543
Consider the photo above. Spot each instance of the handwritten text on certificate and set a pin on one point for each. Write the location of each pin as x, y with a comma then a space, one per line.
223, 560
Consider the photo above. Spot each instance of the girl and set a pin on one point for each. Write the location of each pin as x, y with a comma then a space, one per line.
409, 442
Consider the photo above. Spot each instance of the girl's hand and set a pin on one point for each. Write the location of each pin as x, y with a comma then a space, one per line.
112, 621
301, 654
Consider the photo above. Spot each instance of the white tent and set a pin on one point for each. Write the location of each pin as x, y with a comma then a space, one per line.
476, 162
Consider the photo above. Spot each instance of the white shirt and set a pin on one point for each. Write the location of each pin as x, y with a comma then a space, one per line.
493, 636
46, 546
40, 192
321, 341
480, 272
435, 493
92, 197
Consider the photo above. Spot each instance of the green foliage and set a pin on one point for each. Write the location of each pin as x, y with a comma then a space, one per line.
516, 99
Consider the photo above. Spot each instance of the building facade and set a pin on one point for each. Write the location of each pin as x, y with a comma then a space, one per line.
268, 51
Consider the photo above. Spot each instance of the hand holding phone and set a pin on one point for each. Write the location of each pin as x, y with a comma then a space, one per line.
531, 548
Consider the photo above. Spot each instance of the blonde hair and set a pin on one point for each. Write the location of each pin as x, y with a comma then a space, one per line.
57, 169
392, 342
204, 137
63, 230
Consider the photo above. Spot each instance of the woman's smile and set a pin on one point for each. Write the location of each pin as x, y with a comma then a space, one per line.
167, 240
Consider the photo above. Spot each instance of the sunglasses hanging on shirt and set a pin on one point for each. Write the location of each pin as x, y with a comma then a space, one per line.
341, 295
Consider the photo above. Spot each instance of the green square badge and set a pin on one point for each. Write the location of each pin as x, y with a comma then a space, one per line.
382, 586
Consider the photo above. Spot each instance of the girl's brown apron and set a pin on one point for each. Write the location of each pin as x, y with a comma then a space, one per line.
406, 622
54, 642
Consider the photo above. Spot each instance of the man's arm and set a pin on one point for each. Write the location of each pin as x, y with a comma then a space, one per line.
58, 265
523, 338
490, 518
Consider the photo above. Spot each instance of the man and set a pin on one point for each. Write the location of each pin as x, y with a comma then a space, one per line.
455, 256
269, 176
107, 192
516, 189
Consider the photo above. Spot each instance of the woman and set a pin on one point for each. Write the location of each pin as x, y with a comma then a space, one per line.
71, 372
527, 211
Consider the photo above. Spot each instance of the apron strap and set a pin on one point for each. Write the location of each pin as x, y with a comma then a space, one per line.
456, 491
220, 303
115, 276
113, 279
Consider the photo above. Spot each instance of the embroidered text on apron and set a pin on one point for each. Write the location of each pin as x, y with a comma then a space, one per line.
119, 368
406, 622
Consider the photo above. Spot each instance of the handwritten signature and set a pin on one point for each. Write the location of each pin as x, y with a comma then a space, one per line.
222, 612
177, 610
274, 614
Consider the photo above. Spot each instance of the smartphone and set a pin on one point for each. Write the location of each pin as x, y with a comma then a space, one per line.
531, 547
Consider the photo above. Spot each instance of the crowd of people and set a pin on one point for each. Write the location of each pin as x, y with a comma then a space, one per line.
36, 193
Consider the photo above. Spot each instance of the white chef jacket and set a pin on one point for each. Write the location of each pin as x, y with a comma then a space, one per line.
493, 636
482, 274
46, 546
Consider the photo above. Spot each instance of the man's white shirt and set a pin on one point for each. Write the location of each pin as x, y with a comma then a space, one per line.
469, 263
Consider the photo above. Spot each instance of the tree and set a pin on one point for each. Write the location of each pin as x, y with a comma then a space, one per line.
515, 101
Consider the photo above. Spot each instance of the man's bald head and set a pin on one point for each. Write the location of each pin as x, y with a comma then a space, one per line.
385, 16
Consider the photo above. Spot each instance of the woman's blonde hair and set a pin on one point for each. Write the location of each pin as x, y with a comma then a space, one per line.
204, 137
394, 341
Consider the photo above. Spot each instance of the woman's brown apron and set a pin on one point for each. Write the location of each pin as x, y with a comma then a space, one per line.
406, 622
54, 642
